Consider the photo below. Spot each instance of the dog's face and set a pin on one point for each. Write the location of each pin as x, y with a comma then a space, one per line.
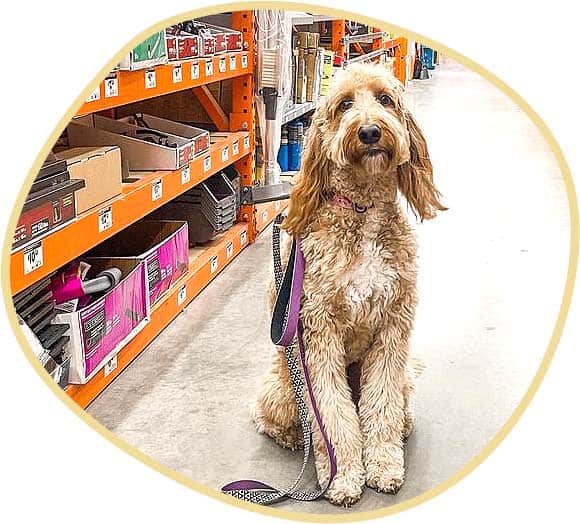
363, 139
365, 124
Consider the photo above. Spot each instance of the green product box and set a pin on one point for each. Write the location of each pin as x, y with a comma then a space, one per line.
149, 53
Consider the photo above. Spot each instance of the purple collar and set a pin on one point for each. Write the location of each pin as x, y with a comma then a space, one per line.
347, 203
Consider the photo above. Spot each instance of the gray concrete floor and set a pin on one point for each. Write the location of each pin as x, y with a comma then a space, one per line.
492, 273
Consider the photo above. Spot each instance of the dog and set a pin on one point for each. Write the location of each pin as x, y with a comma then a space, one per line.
363, 149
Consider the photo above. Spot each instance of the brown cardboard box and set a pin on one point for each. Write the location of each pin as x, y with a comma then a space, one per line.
100, 168
311, 73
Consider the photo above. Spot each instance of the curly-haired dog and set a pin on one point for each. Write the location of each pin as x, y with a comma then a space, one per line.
359, 291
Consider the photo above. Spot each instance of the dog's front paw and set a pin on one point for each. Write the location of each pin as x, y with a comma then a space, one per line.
346, 489
289, 436
385, 468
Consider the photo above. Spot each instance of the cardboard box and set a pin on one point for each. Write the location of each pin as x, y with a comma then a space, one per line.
301, 77
100, 168
311, 72
101, 329
161, 245
199, 137
181, 45
149, 53
137, 154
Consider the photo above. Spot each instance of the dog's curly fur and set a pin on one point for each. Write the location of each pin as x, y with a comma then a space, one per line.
359, 293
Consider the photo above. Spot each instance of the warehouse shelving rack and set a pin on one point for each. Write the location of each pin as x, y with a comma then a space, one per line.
153, 189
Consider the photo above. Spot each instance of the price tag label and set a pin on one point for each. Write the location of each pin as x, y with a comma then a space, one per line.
185, 175
206, 164
156, 190
236, 147
195, 71
33, 258
277, 205
225, 154
244, 61
213, 264
233, 63
95, 95
230, 250
243, 238
177, 74
264, 216
222, 65
105, 218
246, 143
150, 79
111, 365
209, 67
181, 295
111, 87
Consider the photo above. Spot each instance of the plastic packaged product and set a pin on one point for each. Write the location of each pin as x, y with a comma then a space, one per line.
283, 151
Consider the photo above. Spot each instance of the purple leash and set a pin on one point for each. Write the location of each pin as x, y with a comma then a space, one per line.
285, 329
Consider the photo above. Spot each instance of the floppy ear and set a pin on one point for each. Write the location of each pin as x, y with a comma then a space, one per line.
415, 177
307, 193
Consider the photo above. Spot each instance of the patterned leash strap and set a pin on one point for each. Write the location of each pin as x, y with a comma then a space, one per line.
286, 328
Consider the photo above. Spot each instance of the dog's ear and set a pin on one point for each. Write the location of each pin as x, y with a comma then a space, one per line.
415, 177
308, 191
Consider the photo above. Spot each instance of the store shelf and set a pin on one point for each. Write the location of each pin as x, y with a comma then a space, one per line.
297, 111
132, 86
137, 200
306, 19
265, 213
205, 264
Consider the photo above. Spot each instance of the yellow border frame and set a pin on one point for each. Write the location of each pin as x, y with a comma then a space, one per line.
272, 511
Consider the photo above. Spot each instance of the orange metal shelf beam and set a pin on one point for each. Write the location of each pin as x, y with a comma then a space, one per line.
266, 213
202, 270
134, 203
194, 73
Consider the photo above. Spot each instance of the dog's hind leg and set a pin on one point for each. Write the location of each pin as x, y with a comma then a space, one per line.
274, 411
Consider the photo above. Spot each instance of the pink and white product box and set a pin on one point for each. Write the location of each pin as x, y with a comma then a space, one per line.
141, 149
199, 138
163, 247
101, 329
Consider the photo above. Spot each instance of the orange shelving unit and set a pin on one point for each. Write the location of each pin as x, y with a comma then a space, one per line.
150, 190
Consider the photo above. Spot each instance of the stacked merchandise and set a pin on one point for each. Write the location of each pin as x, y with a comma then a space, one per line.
308, 61
35, 308
291, 146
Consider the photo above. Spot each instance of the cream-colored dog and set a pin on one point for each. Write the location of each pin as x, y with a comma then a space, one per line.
359, 293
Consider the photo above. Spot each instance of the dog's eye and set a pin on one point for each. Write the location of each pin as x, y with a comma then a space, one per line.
385, 99
345, 105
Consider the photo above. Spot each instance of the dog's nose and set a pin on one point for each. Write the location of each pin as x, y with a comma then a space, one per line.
369, 134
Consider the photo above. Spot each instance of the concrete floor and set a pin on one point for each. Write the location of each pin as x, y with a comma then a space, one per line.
492, 273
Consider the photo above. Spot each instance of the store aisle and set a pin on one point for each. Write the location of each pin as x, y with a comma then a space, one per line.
479, 327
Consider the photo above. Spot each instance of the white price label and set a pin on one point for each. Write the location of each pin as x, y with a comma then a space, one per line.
209, 67
277, 205
233, 63
95, 95
230, 250
225, 154
111, 87
156, 190
105, 218
236, 147
33, 258
185, 175
177, 74
222, 65
213, 264
111, 365
150, 79
265, 216
246, 142
243, 238
195, 71
181, 295
206, 164
244, 61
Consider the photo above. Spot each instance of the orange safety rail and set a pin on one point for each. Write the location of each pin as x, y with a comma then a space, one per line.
138, 199
126, 87
265, 213
203, 268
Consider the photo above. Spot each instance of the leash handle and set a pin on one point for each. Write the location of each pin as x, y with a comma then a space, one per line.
286, 326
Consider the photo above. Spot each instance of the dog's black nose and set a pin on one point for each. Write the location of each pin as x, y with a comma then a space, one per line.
369, 134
